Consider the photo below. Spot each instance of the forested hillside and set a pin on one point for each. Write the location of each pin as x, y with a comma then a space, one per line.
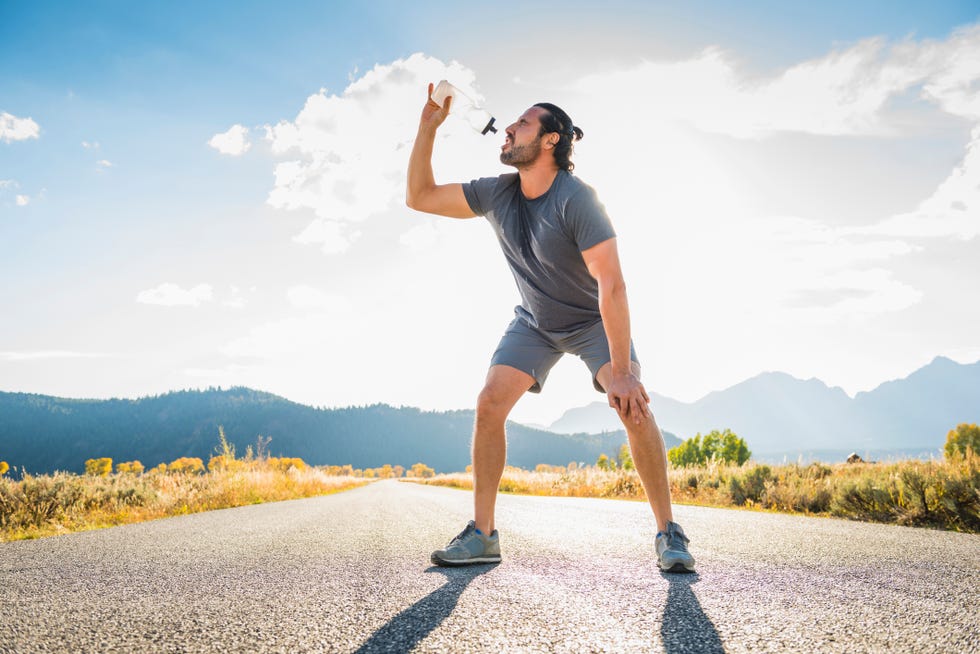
42, 434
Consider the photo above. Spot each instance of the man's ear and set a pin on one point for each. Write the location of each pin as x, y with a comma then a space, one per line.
553, 139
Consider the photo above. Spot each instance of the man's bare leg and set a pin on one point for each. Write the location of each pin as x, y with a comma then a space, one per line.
649, 456
504, 386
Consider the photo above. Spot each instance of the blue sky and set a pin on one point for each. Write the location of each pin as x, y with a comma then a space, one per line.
114, 209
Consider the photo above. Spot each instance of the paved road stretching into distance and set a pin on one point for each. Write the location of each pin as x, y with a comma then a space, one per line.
350, 573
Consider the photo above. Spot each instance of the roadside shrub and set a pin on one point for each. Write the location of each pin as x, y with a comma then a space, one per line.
187, 465
221, 462
749, 486
46, 498
795, 488
98, 467
626, 484
284, 463
64, 502
420, 470
865, 500
130, 467
817, 470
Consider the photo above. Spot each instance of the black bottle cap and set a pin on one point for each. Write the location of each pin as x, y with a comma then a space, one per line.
489, 127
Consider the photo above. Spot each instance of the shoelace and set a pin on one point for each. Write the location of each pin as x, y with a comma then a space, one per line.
677, 541
463, 534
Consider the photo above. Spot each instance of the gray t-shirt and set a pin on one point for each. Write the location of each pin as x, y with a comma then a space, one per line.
557, 292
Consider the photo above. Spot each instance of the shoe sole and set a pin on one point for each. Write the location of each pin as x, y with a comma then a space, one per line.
455, 564
677, 567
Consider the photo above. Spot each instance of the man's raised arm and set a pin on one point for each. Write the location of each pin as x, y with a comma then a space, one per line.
422, 193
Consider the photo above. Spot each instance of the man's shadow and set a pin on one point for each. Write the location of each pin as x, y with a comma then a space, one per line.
408, 628
685, 627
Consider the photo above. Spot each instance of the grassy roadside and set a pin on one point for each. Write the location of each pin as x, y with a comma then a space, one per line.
942, 494
47, 505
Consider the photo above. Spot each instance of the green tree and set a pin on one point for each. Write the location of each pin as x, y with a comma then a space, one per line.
688, 453
733, 449
603, 463
723, 446
964, 437
625, 458
98, 467
711, 445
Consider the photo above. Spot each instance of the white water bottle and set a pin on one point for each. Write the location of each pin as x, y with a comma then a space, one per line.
479, 119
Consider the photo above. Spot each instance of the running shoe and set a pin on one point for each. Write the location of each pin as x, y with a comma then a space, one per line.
469, 547
672, 554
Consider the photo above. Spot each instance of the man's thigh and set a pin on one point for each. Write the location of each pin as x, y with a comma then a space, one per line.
604, 376
526, 350
592, 346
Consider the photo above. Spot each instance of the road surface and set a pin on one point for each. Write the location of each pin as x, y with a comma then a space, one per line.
350, 573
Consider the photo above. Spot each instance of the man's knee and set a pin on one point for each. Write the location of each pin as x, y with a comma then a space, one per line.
492, 404
504, 386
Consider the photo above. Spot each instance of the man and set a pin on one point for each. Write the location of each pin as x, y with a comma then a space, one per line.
561, 248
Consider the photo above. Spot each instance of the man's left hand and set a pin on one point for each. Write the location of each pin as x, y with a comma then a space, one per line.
629, 398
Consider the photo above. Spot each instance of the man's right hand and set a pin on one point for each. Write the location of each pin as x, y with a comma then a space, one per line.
433, 115
421, 191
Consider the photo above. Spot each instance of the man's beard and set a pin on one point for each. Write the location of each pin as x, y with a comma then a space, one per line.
520, 156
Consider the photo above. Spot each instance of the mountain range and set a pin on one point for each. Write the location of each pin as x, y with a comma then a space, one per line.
779, 417
41, 434
778, 414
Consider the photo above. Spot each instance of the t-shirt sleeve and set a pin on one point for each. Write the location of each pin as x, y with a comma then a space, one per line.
586, 219
479, 194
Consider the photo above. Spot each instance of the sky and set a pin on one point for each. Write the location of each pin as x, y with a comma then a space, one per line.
200, 194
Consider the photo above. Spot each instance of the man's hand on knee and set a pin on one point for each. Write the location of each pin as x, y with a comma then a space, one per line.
629, 398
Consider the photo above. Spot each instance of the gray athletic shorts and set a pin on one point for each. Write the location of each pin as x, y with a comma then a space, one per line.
535, 351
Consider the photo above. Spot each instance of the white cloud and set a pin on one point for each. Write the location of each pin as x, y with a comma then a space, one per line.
842, 93
349, 152
171, 295
276, 339
13, 128
51, 354
237, 299
332, 236
233, 142
421, 237
309, 297
91, 145
216, 373
953, 210
952, 81
22, 200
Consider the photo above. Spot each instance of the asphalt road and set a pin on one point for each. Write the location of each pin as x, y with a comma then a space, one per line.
351, 573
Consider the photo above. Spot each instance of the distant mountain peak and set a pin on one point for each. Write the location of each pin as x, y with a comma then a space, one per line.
775, 411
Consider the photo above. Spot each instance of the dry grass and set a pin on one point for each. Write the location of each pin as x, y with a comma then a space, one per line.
47, 505
943, 494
